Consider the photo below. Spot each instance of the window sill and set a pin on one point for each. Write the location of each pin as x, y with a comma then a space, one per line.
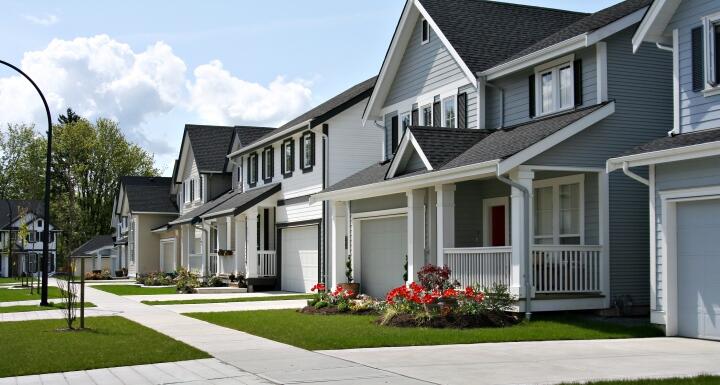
556, 112
711, 91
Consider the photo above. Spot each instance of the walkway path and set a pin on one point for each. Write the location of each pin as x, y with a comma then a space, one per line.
184, 297
234, 306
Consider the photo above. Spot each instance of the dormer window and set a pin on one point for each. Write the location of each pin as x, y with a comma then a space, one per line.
425, 32
555, 86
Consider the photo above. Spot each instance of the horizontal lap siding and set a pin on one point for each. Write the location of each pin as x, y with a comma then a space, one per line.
469, 198
472, 115
672, 176
386, 202
696, 111
424, 67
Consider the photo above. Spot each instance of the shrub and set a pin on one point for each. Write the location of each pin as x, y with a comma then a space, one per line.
97, 275
321, 304
155, 279
498, 299
216, 281
186, 281
433, 277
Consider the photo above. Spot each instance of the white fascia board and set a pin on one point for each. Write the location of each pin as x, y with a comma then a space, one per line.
556, 138
152, 213
654, 22
399, 185
466, 70
535, 58
616, 26
391, 63
408, 143
183, 154
255, 145
663, 156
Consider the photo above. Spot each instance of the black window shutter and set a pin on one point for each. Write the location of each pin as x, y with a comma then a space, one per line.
698, 67
255, 166
272, 163
302, 152
394, 132
578, 86
436, 114
312, 148
249, 180
414, 117
462, 110
292, 155
283, 150
531, 95
264, 160
716, 31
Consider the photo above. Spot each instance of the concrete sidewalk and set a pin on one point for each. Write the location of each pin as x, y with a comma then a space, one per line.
234, 306
547, 362
50, 314
185, 297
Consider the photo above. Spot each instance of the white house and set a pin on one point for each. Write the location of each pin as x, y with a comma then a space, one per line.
23, 256
684, 170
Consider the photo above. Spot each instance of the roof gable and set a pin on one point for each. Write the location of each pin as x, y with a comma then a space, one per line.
210, 146
148, 194
654, 23
10, 210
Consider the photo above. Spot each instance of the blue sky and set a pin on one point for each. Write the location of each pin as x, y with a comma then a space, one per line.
177, 62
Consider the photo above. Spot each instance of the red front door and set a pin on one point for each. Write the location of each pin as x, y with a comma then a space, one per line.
497, 226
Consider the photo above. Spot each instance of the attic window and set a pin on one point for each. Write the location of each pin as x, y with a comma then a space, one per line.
425, 32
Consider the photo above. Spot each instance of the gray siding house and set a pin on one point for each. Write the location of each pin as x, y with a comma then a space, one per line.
489, 127
684, 169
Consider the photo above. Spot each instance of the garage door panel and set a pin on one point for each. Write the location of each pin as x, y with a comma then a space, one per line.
698, 253
299, 258
383, 250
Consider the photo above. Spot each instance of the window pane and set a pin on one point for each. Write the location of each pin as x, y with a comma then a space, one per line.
427, 115
449, 111
547, 91
544, 241
543, 211
307, 151
288, 157
570, 208
569, 240
566, 87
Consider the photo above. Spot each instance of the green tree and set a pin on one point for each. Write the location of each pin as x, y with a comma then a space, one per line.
22, 163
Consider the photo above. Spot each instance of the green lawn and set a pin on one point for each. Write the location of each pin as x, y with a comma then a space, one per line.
38, 346
10, 295
7, 281
26, 308
700, 380
316, 332
135, 290
225, 300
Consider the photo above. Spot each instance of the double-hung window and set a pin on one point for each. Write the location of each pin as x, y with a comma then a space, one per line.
268, 164
555, 84
252, 169
427, 115
449, 110
706, 55
558, 211
307, 151
288, 157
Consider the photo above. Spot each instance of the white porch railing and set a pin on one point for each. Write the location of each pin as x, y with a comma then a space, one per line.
485, 266
212, 264
267, 263
566, 269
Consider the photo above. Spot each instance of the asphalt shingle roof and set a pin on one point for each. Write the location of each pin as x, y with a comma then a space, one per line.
150, 194
329, 108
210, 145
440, 145
95, 243
487, 146
486, 33
9, 214
241, 201
589, 23
681, 140
191, 215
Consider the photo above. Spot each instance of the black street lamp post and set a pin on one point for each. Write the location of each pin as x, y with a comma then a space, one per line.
46, 215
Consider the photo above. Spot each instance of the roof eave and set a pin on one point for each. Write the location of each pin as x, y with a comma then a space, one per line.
280, 135
670, 155
654, 22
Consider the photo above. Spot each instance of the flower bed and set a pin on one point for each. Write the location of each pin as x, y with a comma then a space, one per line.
434, 302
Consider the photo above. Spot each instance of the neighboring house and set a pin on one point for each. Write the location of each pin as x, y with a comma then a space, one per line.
488, 104
22, 256
100, 254
684, 170
265, 227
142, 204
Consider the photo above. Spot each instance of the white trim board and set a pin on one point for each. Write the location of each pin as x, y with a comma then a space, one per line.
403, 154
664, 156
654, 22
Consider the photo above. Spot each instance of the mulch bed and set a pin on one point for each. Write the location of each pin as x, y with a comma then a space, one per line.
333, 310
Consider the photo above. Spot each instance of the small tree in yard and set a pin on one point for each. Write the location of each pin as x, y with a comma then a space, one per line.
348, 269
69, 289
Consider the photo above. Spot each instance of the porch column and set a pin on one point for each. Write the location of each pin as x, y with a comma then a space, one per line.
98, 261
187, 248
239, 245
338, 242
229, 244
251, 243
5, 271
517, 230
445, 220
431, 224
415, 232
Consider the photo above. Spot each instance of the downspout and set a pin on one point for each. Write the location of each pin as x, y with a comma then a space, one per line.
526, 244
384, 145
668, 48
626, 170
325, 208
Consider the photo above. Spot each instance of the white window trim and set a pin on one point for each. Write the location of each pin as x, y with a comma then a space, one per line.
444, 111
267, 162
424, 24
307, 149
554, 67
487, 205
252, 178
287, 159
709, 22
555, 183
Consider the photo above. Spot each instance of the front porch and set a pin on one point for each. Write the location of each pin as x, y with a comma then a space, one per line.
475, 227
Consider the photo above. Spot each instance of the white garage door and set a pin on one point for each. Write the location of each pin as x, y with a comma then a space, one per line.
698, 253
299, 258
383, 249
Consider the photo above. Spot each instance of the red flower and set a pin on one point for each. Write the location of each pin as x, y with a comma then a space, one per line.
450, 292
469, 291
318, 287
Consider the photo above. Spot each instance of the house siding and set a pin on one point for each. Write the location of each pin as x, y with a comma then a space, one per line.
424, 67
697, 111
469, 198
516, 92
190, 170
386, 202
672, 176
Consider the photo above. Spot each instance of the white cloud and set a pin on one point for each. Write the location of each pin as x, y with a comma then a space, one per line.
102, 77
47, 20
218, 96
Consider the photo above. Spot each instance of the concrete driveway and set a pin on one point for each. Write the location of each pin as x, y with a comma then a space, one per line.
544, 362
